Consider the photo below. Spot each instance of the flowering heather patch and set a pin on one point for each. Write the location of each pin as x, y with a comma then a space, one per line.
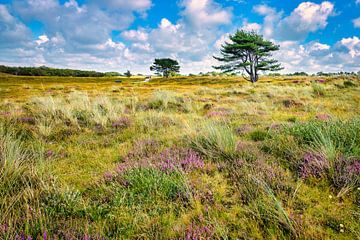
108, 176
142, 149
323, 117
346, 172
321, 81
219, 112
27, 120
354, 167
313, 165
49, 154
5, 114
196, 232
179, 158
121, 123
169, 160
243, 129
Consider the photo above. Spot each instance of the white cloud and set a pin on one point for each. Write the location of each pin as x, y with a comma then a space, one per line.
357, 22
251, 26
13, 33
315, 56
352, 45
42, 39
357, 1
135, 35
203, 13
306, 18
134, 5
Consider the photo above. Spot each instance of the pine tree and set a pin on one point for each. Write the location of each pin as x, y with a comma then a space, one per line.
165, 67
249, 52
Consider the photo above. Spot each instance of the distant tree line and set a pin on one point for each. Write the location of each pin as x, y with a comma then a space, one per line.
47, 71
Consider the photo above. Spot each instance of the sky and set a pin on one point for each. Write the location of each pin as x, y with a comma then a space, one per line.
120, 35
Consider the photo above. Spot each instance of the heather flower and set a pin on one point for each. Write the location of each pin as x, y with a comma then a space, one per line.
346, 172
243, 129
28, 120
183, 159
108, 176
121, 123
323, 117
354, 168
219, 112
195, 232
313, 165
321, 81
49, 154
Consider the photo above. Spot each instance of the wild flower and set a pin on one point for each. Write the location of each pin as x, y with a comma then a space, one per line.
323, 117
243, 129
195, 232
49, 154
108, 176
121, 123
27, 120
354, 168
179, 158
346, 172
219, 112
313, 165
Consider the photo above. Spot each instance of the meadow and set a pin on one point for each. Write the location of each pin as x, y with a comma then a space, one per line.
179, 158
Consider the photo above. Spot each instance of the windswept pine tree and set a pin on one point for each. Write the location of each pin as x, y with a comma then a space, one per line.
165, 67
248, 52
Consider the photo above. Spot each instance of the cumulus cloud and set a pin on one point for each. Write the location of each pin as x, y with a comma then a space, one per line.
356, 22
42, 39
315, 56
13, 33
306, 18
204, 13
135, 35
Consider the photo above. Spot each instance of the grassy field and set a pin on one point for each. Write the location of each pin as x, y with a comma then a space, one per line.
182, 158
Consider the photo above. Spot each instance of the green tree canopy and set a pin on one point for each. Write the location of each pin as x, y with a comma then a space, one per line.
165, 67
248, 52
127, 74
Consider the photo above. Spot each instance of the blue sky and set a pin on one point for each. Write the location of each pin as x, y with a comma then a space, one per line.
116, 35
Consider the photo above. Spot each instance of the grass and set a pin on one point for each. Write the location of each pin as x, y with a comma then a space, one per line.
179, 158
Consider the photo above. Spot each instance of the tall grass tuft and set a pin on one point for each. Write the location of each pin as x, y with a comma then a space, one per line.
19, 181
215, 141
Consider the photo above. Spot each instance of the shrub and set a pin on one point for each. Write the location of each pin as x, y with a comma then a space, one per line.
258, 135
349, 84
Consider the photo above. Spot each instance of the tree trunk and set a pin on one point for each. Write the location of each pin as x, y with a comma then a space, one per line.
254, 77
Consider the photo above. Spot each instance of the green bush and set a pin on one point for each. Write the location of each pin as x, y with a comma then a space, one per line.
259, 135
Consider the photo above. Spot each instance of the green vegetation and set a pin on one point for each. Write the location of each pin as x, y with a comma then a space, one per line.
200, 157
165, 67
249, 52
46, 71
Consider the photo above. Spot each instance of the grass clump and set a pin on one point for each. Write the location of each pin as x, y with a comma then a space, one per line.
216, 141
318, 89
